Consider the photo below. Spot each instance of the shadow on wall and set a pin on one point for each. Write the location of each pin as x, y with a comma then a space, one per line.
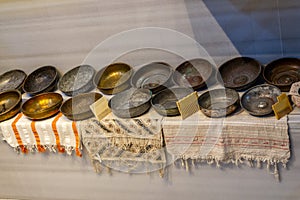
265, 30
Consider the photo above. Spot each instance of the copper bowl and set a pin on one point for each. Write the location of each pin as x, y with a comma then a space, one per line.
283, 73
78, 107
164, 102
131, 103
193, 73
77, 80
114, 78
42, 106
43, 79
10, 104
155, 76
259, 99
240, 73
12, 80
219, 102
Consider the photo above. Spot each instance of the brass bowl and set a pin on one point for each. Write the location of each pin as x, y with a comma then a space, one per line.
193, 73
155, 76
43, 79
12, 80
114, 78
164, 102
42, 106
10, 104
283, 73
259, 99
77, 80
131, 103
240, 73
218, 102
78, 107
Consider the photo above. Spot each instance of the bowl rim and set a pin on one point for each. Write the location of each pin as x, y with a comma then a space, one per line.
39, 95
269, 65
17, 102
78, 96
223, 65
100, 72
148, 65
45, 87
14, 71
225, 89
191, 60
247, 91
70, 72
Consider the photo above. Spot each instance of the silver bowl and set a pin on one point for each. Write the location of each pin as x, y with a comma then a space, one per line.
77, 80
131, 103
219, 102
258, 100
12, 80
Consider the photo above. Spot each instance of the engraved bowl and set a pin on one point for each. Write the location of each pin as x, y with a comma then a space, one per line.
12, 80
10, 104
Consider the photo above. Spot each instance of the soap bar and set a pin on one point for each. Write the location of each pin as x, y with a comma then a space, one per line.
100, 108
188, 105
282, 107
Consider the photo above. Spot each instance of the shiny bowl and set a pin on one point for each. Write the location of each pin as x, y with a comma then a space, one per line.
258, 100
282, 73
42, 106
10, 104
193, 73
114, 78
77, 80
164, 102
12, 80
131, 103
218, 102
155, 76
78, 107
43, 79
240, 73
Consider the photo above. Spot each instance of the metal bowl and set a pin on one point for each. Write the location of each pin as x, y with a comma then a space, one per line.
131, 103
10, 104
77, 80
114, 78
164, 102
155, 76
12, 80
42, 106
283, 73
43, 79
258, 100
193, 73
240, 73
78, 107
219, 102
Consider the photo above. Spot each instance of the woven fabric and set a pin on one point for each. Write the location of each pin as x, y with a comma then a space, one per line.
233, 139
128, 145
53, 134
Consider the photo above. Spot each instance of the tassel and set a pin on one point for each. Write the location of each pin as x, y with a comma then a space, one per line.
276, 172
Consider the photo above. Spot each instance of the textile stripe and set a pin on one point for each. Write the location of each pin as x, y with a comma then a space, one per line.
37, 137
78, 153
17, 134
54, 128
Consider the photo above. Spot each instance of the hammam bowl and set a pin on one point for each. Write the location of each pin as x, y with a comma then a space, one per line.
259, 99
218, 102
43, 79
282, 73
154, 76
10, 104
78, 107
77, 80
114, 78
240, 73
193, 73
12, 80
164, 102
42, 106
131, 103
